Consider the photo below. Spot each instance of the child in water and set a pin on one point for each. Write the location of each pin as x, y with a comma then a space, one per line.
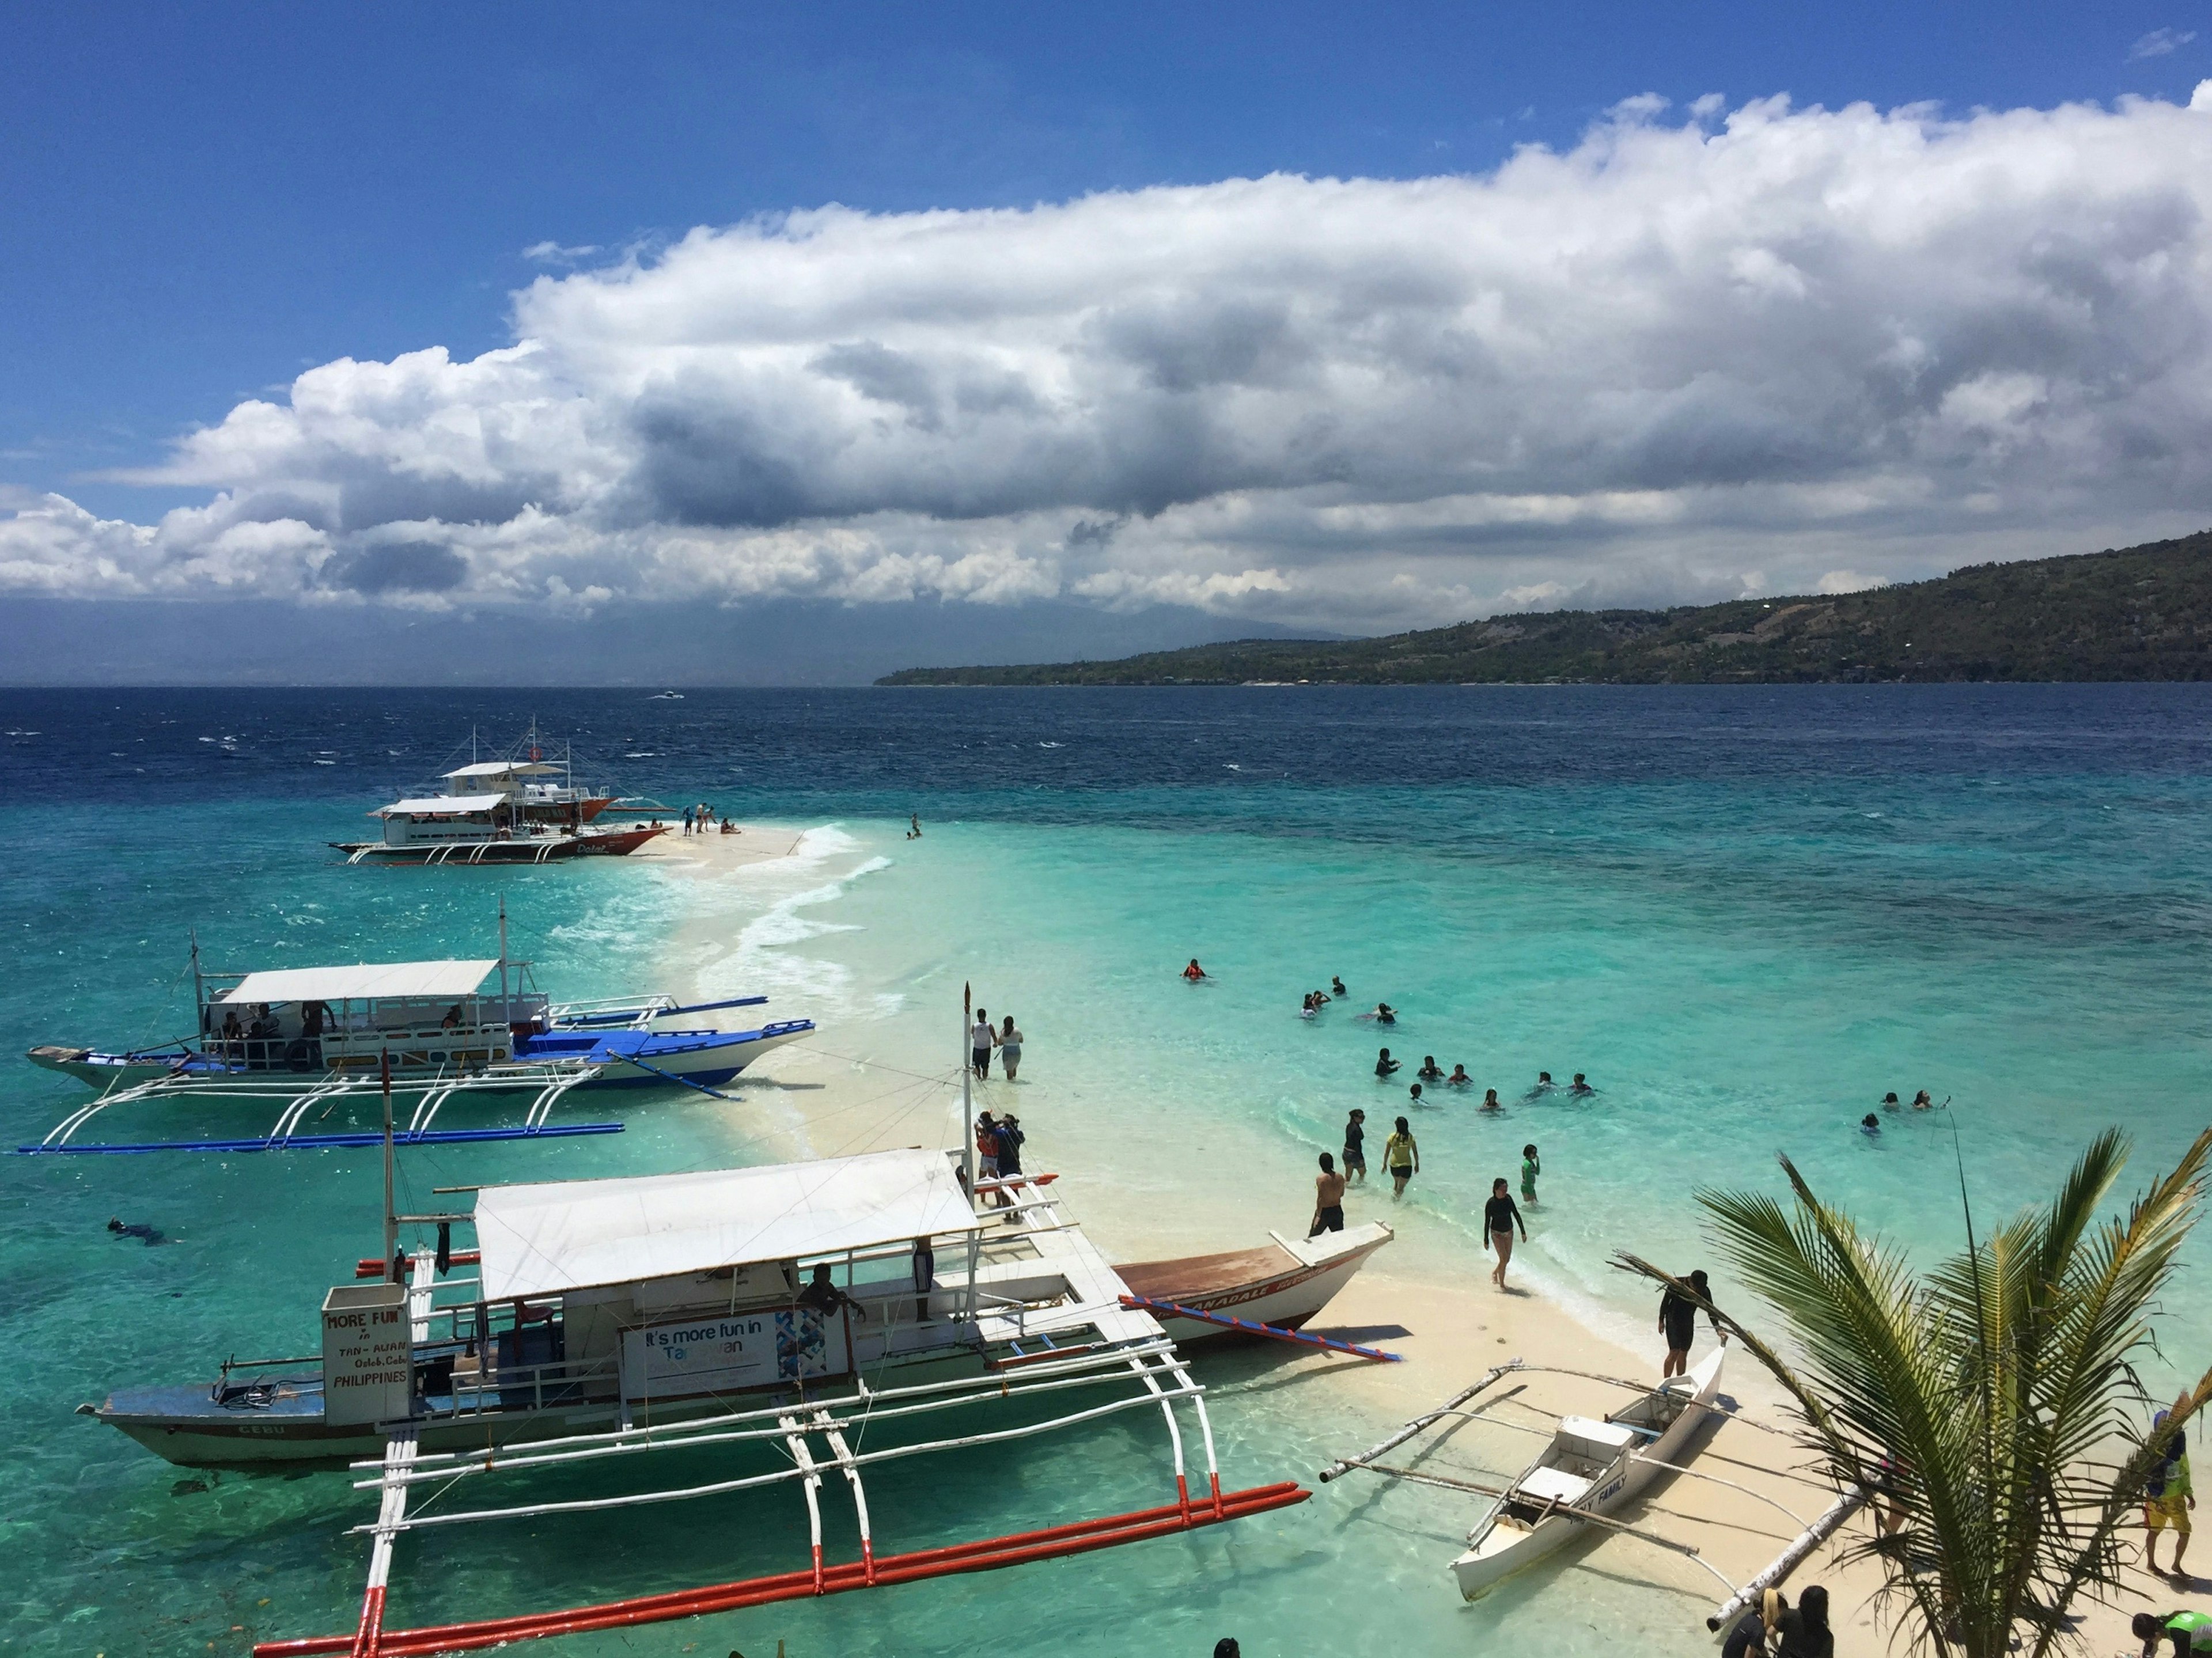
1870, 1125
1530, 1168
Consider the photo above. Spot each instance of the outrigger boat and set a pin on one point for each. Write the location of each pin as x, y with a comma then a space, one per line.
739, 1329
1592, 1466
524, 809
302, 1039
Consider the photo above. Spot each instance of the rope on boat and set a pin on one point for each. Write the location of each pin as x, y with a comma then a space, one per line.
1345, 1465
1274, 1331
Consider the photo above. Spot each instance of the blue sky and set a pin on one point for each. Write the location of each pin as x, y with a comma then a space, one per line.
203, 203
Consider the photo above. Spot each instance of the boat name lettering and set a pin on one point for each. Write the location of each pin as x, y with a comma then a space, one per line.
720, 1330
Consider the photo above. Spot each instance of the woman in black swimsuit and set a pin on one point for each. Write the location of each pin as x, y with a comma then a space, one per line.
1499, 1216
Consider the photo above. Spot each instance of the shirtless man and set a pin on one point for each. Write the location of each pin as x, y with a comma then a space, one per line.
1328, 1199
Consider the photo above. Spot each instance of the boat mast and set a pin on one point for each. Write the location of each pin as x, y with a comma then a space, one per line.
967, 1093
200, 987
391, 1204
505, 1007
968, 1141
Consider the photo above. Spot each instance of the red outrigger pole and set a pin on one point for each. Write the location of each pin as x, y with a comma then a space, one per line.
988, 1555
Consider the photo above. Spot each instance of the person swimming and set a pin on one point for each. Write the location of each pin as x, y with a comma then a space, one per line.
150, 1235
1459, 1079
1385, 1014
1889, 1101
1322, 998
1336, 986
1490, 1101
1922, 1102
1194, 972
1869, 1124
1578, 1086
1384, 1065
1416, 1094
1308, 1007
1431, 1071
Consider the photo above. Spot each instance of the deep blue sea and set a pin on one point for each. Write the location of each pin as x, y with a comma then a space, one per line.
1746, 912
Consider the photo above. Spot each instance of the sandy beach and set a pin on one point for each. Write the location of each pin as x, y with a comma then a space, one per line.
856, 1087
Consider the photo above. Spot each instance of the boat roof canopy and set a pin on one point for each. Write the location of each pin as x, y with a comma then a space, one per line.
506, 769
369, 981
430, 803
550, 1238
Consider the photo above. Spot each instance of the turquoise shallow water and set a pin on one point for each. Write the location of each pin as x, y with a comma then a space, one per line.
1745, 914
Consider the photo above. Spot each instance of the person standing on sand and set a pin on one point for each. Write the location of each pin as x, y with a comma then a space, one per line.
1355, 1145
1530, 1168
1805, 1632
1678, 1323
1403, 1157
980, 1041
1009, 1049
986, 1147
1328, 1199
2168, 1497
1499, 1216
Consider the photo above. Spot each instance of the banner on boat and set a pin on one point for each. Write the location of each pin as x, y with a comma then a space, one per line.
367, 1354
723, 1354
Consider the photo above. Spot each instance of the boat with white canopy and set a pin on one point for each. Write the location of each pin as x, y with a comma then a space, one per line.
691, 1335
299, 1041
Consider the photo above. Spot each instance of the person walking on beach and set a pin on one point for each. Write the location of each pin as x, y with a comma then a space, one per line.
1355, 1145
1384, 1065
687, 820
1499, 1216
1678, 1323
1403, 1157
2168, 1497
1009, 1049
1328, 1199
1530, 1168
980, 1041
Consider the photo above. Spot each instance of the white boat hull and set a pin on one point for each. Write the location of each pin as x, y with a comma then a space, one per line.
1499, 1548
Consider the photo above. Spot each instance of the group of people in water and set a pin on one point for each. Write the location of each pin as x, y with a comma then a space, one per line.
1870, 1124
1432, 1074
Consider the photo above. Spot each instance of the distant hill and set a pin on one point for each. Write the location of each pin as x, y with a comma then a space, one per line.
2137, 613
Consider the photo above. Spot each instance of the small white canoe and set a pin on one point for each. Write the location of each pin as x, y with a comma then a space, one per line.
1283, 1284
1591, 1466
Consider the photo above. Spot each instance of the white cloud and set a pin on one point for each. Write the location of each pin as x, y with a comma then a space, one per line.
1848, 581
551, 252
1830, 344
2160, 43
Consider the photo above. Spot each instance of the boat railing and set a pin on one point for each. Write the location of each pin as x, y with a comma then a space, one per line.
500, 1387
